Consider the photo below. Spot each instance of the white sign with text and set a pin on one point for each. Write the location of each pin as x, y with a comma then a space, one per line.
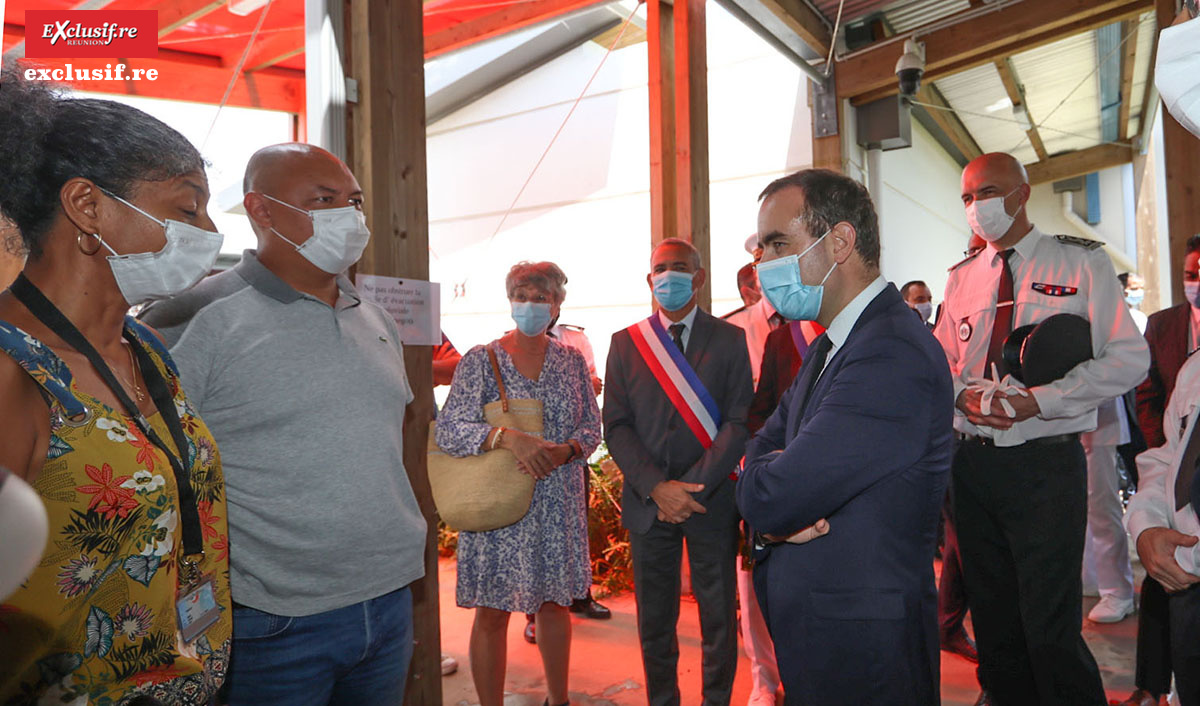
415, 305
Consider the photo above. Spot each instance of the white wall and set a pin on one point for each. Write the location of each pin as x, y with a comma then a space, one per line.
588, 206
923, 230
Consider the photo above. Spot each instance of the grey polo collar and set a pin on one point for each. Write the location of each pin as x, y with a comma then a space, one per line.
264, 280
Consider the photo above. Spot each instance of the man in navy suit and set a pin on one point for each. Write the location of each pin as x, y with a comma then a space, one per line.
844, 484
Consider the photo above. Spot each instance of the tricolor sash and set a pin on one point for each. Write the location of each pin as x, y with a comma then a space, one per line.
677, 378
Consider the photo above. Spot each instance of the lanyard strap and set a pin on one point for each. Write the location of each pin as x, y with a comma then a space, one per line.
56, 321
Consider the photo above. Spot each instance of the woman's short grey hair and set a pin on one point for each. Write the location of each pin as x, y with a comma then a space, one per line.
545, 276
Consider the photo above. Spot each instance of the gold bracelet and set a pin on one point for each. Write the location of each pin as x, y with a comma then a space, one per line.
496, 438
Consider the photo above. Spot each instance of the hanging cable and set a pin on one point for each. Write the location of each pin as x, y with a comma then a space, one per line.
460, 287
1012, 121
833, 39
237, 72
1136, 27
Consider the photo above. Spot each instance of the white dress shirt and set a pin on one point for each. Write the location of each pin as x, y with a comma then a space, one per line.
842, 324
1089, 288
1154, 503
688, 322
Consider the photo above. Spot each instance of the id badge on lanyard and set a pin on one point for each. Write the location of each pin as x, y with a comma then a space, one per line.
195, 594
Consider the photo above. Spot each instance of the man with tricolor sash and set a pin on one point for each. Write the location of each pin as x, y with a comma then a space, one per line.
677, 390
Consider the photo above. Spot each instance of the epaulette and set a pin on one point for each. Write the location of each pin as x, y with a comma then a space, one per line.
735, 311
965, 260
1079, 242
572, 327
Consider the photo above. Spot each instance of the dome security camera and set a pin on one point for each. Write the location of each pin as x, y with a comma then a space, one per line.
911, 67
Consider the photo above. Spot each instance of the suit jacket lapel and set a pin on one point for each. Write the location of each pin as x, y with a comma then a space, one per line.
803, 378
697, 345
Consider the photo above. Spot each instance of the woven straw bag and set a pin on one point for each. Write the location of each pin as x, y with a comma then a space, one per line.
485, 491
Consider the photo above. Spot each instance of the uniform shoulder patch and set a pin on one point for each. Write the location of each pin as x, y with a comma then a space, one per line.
1079, 242
964, 261
735, 311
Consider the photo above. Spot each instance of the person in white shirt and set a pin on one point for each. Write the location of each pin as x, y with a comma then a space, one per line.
1019, 474
1163, 522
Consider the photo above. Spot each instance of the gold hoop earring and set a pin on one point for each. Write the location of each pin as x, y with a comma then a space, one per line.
79, 241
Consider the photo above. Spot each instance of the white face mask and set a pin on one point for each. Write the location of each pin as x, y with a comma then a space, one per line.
988, 219
338, 239
186, 258
925, 309
1177, 73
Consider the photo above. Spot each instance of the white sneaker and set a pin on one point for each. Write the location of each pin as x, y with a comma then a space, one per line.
449, 665
1111, 609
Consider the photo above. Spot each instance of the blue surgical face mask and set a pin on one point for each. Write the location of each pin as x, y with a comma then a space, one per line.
781, 285
672, 289
532, 318
1134, 297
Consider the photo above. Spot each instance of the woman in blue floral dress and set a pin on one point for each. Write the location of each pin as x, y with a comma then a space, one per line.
540, 564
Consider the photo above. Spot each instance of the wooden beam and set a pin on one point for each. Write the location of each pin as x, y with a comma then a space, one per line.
870, 74
804, 21
949, 121
1078, 163
1016, 94
1128, 58
176, 13
505, 19
827, 151
387, 155
1181, 152
1149, 91
678, 78
273, 48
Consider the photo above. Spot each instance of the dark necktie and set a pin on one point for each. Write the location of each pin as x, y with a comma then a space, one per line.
775, 321
1186, 477
677, 335
816, 359
1004, 319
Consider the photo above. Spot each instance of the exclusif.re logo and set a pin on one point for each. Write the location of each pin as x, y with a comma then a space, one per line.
66, 34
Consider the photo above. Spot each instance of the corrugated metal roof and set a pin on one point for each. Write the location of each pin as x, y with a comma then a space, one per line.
902, 15
1062, 90
978, 97
906, 15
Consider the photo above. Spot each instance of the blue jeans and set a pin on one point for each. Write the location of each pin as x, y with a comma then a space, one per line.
357, 655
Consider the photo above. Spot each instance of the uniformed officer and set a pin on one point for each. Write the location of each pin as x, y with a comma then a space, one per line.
1020, 479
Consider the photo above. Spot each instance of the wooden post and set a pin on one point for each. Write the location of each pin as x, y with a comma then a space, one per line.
387, 154
1181, 150
827, 151
678, 58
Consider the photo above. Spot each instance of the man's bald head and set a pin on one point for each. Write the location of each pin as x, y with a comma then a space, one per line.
304, 177
996, 167
267, 165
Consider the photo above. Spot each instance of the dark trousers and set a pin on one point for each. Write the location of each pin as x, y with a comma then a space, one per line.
1022, 514
1153, 640
1185, 644
952, 595
712, 541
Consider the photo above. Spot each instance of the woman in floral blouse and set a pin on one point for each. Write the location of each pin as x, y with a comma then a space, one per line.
540, 564
98, 622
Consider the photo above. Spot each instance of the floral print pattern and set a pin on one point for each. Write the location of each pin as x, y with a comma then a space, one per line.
543, 557
95, 624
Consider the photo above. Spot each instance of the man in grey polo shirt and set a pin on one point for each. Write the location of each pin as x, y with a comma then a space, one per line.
303, 385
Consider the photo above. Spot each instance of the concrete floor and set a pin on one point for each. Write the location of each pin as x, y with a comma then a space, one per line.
606, 664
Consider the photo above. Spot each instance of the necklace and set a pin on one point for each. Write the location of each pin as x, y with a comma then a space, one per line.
133, 366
